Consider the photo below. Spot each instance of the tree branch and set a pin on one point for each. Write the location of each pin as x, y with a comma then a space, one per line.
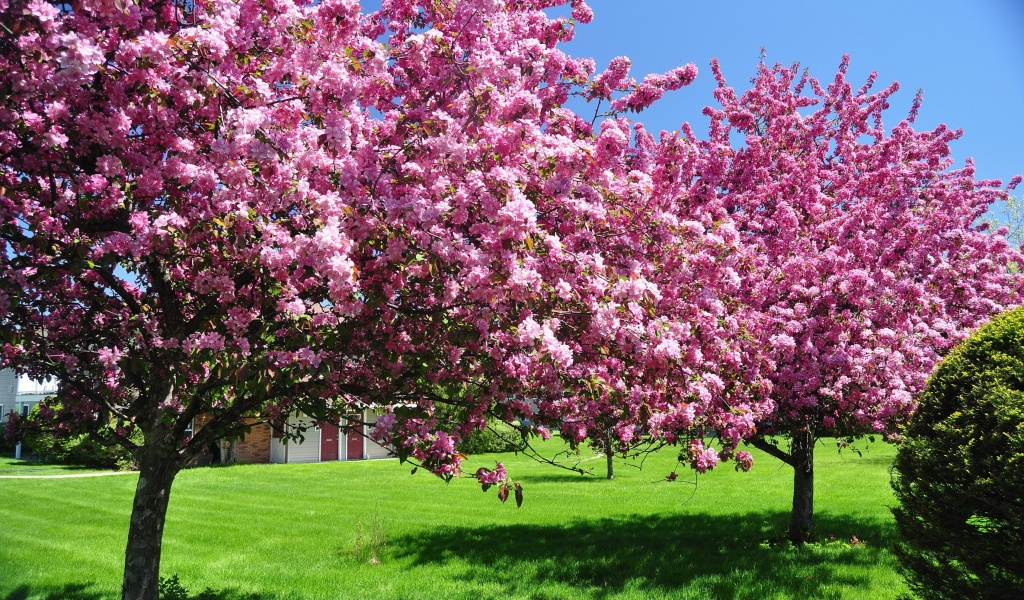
769, 448
116, 285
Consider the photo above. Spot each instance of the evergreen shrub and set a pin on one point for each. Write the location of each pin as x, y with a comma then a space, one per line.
959, 472
498, 436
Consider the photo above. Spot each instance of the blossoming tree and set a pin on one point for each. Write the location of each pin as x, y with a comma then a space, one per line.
250, 208
869, 261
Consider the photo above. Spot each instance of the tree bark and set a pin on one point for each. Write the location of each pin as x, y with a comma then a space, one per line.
146, 529
801, 519
608, 454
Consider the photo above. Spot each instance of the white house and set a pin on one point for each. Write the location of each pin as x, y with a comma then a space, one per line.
8, 393
325, 441
20, 394
320, 442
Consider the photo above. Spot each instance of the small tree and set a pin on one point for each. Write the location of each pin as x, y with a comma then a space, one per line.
867, 264
958, 473
1012, 218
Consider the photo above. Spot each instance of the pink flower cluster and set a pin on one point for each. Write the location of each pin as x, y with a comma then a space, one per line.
702, 459
489, 477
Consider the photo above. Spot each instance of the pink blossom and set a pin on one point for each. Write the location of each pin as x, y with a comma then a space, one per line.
109, 357
744, 461
55, 139
491, 477
581, 12
705, 461
442, 444
78, 59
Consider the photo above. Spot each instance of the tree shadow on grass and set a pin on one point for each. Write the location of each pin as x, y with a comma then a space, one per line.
28, 466
566, 477
693, 555
85, 591
71, 591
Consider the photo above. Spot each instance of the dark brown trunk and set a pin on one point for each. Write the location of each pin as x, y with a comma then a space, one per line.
801, 520
608, 454
146, 528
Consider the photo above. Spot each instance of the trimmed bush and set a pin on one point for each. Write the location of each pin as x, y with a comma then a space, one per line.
498, 436
81, 449
78, 450
959, 472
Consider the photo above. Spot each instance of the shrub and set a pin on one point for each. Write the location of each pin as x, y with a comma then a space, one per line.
959, 472
76, 449
6, 445
498, 436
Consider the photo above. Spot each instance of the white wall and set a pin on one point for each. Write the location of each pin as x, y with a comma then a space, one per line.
309, 449
18, 392
29, 393
278, 451
373, 449
8, 392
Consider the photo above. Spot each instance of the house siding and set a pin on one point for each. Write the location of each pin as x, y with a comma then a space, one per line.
8, 392
260, 446
373, 449
20, 394
308, 450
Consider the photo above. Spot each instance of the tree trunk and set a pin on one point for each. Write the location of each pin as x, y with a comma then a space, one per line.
608, 454
801, 520
146, 528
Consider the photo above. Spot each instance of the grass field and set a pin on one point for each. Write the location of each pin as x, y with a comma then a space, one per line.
10, 466
370, 530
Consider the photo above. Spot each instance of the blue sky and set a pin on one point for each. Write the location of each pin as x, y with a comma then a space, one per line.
967, 56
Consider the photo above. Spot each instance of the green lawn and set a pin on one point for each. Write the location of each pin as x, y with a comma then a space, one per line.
12, 466
306, 531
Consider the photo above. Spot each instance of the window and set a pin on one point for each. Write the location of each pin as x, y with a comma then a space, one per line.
189, 430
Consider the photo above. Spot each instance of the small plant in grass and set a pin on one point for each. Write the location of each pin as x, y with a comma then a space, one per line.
830, 541
172, 589
370, 540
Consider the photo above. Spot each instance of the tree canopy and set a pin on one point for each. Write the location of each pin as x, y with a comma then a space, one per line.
255, 208
868, 259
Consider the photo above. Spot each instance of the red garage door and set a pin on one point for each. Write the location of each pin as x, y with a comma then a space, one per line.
354, 443
328, 441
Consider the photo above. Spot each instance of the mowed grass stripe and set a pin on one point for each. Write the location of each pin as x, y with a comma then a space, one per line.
290, 531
